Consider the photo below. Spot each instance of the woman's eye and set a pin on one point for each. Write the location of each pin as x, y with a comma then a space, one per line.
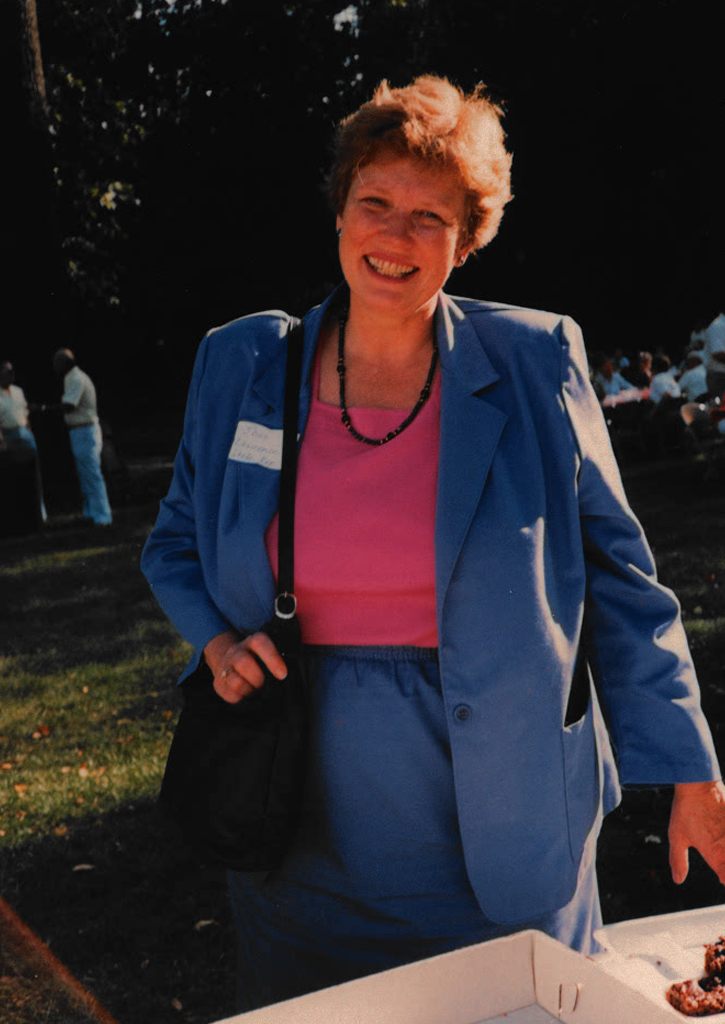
373, 201
430, 215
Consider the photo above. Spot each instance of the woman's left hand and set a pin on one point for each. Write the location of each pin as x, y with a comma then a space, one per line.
698, 820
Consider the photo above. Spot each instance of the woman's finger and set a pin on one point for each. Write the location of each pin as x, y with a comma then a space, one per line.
679, 860
232, 687
263, 647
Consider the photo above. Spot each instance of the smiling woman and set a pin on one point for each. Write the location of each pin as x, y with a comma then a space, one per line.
466, 566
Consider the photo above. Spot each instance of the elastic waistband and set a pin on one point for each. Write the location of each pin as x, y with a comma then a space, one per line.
364, 652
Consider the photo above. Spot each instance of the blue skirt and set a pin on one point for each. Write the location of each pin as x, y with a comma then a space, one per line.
376, 877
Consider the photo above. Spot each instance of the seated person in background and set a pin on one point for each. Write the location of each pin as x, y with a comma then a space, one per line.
663, 380
693, 380
665, 428
640, 373
606, 380
620, 360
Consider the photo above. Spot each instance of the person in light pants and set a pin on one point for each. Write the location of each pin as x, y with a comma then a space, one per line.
81, 417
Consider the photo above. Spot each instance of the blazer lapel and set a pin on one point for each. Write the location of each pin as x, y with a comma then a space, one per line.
470, 430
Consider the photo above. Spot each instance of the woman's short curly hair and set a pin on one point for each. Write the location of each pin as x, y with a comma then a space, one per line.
434, 121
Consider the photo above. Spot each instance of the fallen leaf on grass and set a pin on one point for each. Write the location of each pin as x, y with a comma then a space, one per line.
60, 830
66, 769
204, 924
21, 788
167, 714
84, 867
83, 771
41, 731
7, 766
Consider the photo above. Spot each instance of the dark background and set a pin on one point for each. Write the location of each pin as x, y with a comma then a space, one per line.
214, 120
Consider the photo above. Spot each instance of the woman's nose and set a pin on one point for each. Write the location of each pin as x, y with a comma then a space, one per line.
399, 224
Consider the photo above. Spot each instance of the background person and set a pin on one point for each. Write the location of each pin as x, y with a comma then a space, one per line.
457, 501
22, 483
714, 353
663, 383
14, 412
693, 380
639, 373
81, 417
607, 380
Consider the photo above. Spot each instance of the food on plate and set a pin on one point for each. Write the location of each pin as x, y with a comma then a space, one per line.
715, 957
706, 996
698, 998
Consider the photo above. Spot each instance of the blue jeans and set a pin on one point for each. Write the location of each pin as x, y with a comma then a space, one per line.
86, 443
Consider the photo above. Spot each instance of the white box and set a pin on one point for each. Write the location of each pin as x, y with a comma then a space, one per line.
650, 953
527, 978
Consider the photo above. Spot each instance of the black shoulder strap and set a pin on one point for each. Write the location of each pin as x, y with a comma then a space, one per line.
286, 603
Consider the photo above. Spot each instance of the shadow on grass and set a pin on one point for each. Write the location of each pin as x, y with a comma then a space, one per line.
66, 592
142, 926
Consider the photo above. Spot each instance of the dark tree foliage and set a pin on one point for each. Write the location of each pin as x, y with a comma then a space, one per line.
190, 140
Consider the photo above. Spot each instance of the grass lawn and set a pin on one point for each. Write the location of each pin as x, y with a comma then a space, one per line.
88, 707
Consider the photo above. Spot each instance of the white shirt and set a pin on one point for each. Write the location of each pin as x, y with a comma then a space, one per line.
663, 384
13, 408
78, 391
693, 383
614, 384
714, 337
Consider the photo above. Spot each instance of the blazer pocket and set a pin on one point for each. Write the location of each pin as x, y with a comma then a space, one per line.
580, 691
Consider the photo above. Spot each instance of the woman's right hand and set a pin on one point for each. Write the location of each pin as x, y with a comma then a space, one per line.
237, 672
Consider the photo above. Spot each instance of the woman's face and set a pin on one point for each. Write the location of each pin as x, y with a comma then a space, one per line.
401, 227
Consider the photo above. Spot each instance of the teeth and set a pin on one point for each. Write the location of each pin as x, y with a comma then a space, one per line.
389, 269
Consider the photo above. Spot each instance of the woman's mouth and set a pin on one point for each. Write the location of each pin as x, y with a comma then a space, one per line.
386, 268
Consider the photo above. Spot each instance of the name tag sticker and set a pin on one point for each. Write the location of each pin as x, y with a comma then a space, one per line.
262, 446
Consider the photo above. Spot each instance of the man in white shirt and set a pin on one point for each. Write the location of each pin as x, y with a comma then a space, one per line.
693, 381
663, 381
714, 352
81, 417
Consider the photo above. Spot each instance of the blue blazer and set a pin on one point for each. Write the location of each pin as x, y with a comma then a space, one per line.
538, 557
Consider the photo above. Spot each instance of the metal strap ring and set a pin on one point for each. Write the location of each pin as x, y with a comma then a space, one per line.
285, 615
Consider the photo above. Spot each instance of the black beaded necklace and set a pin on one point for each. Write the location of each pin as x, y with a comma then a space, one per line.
345, 415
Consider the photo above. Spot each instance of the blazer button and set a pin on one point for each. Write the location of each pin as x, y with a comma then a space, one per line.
462, 712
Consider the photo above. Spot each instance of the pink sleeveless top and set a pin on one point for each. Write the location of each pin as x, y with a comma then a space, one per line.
364, 524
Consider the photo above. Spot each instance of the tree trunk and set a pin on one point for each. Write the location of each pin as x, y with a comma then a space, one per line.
33, 63
34, 277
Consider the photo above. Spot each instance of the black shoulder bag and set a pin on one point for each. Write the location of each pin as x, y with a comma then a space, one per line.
235, 772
